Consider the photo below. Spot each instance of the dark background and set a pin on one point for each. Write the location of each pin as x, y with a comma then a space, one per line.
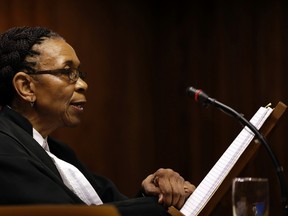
142, 55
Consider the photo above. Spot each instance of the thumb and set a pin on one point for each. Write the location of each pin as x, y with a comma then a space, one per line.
161, 197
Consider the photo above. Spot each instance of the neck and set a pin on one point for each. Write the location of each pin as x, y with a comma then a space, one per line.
32, 116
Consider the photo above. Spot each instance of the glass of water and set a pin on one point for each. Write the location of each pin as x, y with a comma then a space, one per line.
250, 196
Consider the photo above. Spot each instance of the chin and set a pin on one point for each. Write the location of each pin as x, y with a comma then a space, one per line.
72, 124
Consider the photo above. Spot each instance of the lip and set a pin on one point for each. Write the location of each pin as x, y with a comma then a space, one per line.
78, 105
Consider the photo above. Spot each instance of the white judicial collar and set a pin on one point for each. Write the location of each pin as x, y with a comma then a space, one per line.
71, 176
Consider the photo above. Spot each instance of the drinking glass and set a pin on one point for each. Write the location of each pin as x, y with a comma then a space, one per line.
250, 196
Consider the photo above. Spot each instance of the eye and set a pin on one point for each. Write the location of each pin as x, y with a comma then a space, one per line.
67, 70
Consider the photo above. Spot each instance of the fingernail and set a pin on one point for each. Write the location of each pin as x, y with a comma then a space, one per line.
160, 200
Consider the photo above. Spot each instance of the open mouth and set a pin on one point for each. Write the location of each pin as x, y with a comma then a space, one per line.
78, 106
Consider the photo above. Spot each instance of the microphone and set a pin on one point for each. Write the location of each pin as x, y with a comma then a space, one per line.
199, 96
204, 99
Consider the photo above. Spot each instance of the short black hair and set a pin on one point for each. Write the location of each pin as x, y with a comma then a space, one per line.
15, 45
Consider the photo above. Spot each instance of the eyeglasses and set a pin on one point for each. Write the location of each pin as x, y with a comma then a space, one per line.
72, 73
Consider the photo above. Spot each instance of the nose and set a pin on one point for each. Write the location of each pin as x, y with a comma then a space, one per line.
81, 85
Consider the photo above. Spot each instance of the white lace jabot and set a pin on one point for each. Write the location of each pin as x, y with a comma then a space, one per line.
71, 176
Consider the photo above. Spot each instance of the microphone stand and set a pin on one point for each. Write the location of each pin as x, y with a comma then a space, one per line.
203, 98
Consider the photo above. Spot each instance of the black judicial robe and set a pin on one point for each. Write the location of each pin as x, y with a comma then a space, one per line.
29, 176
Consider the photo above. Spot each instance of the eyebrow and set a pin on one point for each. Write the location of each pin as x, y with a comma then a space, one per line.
70, 63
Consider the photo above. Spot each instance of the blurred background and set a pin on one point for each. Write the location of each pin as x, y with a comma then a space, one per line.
141, 56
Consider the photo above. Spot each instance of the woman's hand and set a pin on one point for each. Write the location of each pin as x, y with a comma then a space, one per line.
169, 186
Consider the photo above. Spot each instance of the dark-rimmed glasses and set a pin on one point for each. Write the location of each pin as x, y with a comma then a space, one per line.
72, 73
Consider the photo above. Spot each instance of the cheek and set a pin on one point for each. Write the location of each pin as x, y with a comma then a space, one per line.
62, 98
56, 96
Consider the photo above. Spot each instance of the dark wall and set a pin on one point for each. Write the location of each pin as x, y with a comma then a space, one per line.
142, 55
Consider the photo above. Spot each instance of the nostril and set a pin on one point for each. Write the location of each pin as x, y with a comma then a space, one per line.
81, 85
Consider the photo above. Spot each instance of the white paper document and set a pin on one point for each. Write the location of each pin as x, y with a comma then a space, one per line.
209, 185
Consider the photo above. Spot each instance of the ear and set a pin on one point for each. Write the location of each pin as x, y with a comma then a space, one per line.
24, 86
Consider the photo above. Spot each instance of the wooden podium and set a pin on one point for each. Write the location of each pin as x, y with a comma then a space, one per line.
58, 210
250, 151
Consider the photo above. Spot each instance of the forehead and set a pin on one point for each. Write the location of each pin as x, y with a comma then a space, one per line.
55, 53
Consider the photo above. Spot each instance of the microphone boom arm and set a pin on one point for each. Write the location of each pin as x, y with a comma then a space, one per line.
203, 98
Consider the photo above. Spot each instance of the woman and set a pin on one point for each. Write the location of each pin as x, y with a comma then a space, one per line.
42, 89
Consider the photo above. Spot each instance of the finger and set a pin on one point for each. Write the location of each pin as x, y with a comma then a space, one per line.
189, 188
180, 202
166, 191
179, 197
172, 189
161, 198
150, 187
